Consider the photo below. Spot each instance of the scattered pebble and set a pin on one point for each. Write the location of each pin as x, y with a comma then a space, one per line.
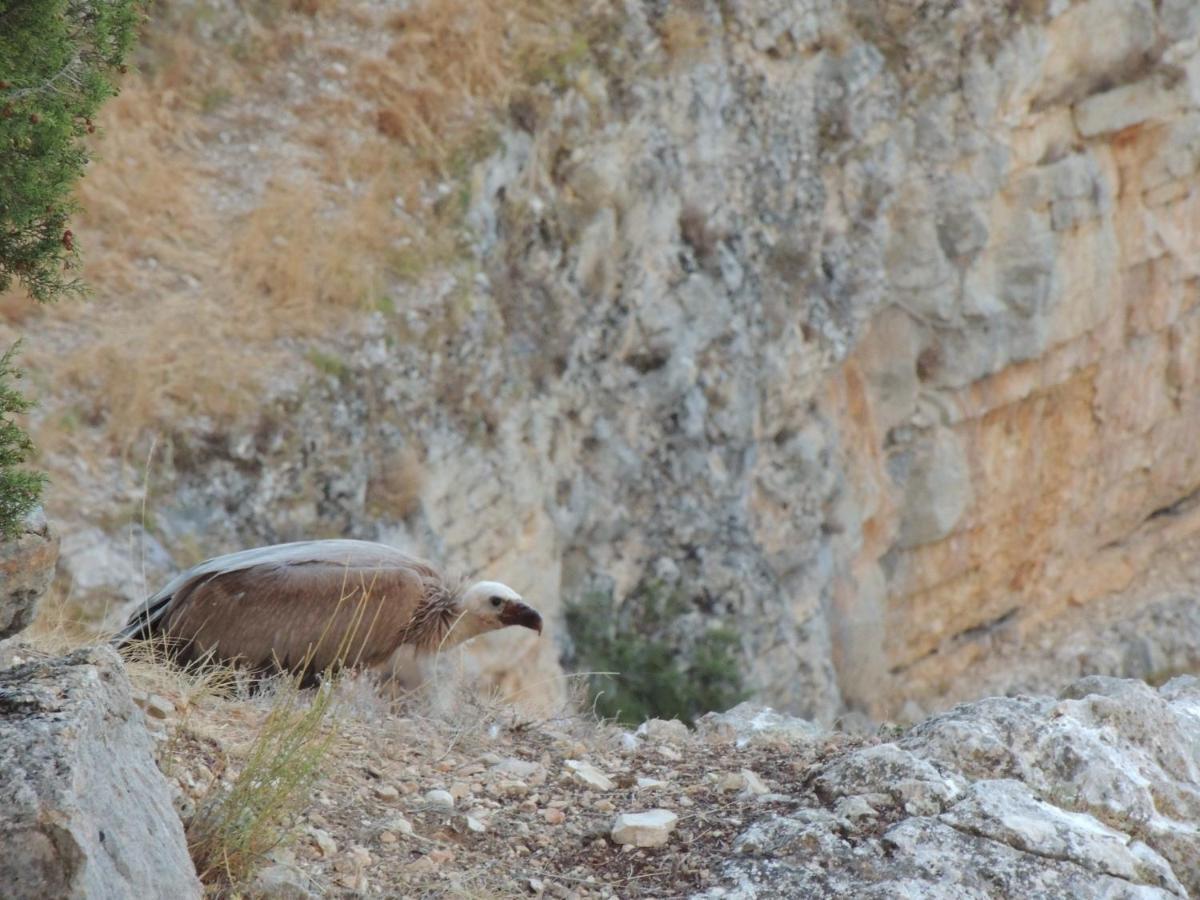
588, 774
283, 881
422, 866
517, 768
387, 792
440, 798
324, 841
512, 788
668, 731
644, 829
399, 825
753, 784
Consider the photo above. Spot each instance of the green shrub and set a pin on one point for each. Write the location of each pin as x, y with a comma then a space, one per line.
20, 490
56, 62
642, 664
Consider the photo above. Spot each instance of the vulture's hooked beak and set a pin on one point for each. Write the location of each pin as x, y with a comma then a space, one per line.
517, 613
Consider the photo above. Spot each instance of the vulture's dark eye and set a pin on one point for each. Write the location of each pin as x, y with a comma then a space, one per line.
497, 601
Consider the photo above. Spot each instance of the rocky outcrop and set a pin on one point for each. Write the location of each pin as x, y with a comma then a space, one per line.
1090, 795
84, 811
26, 570
869, 330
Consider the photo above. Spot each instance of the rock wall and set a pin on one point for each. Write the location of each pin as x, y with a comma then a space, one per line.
1086, 795
870, 328
26, 570
86, 812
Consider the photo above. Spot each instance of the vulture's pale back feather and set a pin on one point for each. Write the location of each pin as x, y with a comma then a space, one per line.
338, 600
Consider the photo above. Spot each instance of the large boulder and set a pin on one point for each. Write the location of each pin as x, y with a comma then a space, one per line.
26, 569
1093, 794
84, 810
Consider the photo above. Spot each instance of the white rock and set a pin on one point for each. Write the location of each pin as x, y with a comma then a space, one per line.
669, 731
588, 774
748, 724
753, 784
440, 798
399, 825
324, 841
282, 882
512, 788
517, 768
85, 811
644, 829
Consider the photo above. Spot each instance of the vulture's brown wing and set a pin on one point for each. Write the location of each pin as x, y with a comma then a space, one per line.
314, 602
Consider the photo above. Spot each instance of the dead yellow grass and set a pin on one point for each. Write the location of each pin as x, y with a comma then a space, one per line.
298, 257
456, 63
209, 269
237, 825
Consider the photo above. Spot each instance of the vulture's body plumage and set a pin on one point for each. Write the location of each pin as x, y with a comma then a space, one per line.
311, 606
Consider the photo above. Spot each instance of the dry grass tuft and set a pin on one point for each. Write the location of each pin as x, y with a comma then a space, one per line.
300, 257
236, 826
212, 270
456, 63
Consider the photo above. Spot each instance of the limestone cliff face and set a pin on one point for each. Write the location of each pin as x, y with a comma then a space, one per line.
872, 329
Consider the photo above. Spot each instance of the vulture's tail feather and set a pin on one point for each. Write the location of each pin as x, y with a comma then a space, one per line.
143, 624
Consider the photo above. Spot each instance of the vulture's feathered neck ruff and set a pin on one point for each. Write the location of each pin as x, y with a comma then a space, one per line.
428, 630
315, 606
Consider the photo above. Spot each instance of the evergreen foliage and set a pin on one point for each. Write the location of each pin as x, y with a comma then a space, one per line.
642, 665
57, 58
20, 489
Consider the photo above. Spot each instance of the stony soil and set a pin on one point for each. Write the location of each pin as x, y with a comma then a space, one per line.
482, 803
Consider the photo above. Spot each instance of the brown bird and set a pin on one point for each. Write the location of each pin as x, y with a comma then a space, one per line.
312, 606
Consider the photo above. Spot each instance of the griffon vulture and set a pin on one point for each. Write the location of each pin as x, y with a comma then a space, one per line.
315, 605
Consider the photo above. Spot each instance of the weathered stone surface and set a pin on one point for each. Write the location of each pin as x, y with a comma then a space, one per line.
26, 569
749, 723
281, 882
588, 774
667, 731
84, 811
869, 327
1091, 795
644, 829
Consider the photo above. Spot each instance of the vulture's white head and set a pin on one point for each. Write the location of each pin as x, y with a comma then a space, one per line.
488, 605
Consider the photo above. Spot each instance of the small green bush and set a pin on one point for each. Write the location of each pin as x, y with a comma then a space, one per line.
642, 665
20, 489
56, 62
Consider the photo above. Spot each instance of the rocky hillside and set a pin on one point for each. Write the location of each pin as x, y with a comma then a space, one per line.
1088, 795
866, 332
1091, 795
133, 778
